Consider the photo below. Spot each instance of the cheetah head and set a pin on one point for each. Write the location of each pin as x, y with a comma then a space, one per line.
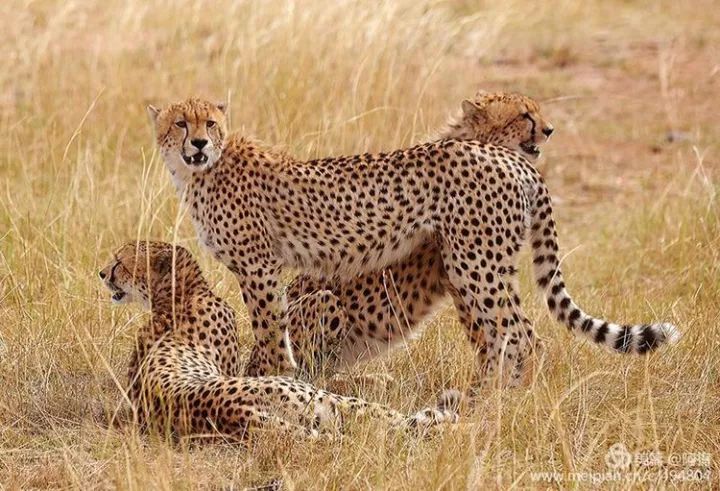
142, 272
190, 134
503, 118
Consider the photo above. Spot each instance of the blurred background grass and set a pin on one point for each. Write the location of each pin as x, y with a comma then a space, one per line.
631, 88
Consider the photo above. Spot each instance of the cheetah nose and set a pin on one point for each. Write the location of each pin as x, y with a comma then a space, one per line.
199, 144
102, 275
548, 130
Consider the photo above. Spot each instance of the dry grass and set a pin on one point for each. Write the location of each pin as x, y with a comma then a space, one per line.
639, 219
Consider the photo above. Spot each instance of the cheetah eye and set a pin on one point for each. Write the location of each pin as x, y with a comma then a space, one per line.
210, 124
181, 124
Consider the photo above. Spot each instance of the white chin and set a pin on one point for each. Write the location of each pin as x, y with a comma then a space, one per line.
178, 167
197, 167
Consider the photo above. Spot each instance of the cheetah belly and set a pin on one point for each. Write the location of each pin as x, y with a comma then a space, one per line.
360, 348
366, 348
350, 259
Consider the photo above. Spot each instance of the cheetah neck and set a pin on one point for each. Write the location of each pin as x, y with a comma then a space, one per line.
178, 297
455, 131
457, 128
179, 181
179, 173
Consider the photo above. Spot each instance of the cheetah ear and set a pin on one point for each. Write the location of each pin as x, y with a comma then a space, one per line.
468, 108
153, 113
222, 106
472, 110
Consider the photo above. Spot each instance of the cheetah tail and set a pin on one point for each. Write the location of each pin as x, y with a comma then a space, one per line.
449, 400
639, 338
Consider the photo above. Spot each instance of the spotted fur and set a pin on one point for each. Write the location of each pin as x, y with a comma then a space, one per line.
184, 369
260, 211
385, 309
380, 310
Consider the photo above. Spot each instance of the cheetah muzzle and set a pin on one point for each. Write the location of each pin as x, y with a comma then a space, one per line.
198, 159
530, 148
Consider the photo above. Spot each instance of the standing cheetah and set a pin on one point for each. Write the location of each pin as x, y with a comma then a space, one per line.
376, 311
259, 211
371, 313
183, 371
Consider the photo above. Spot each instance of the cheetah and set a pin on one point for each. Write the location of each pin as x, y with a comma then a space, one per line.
378, 311
374, 312
258, 211
184, 369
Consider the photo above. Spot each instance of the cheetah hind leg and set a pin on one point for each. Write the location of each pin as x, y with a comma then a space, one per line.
486, 298
316, 323
445, 411
517, 348
254, 419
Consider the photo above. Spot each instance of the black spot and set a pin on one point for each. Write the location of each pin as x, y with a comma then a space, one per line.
622, 343
648, 340
601, 333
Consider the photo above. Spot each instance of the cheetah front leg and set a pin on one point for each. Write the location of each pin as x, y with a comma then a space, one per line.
316, 325
249, 418
271, 353
445, 411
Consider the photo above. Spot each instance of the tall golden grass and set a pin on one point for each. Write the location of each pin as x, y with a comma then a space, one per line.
631, 89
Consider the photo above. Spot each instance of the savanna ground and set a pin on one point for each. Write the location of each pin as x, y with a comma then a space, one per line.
632, 89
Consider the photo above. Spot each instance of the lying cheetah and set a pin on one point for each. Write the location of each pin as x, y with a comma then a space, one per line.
259, 210
183, 371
